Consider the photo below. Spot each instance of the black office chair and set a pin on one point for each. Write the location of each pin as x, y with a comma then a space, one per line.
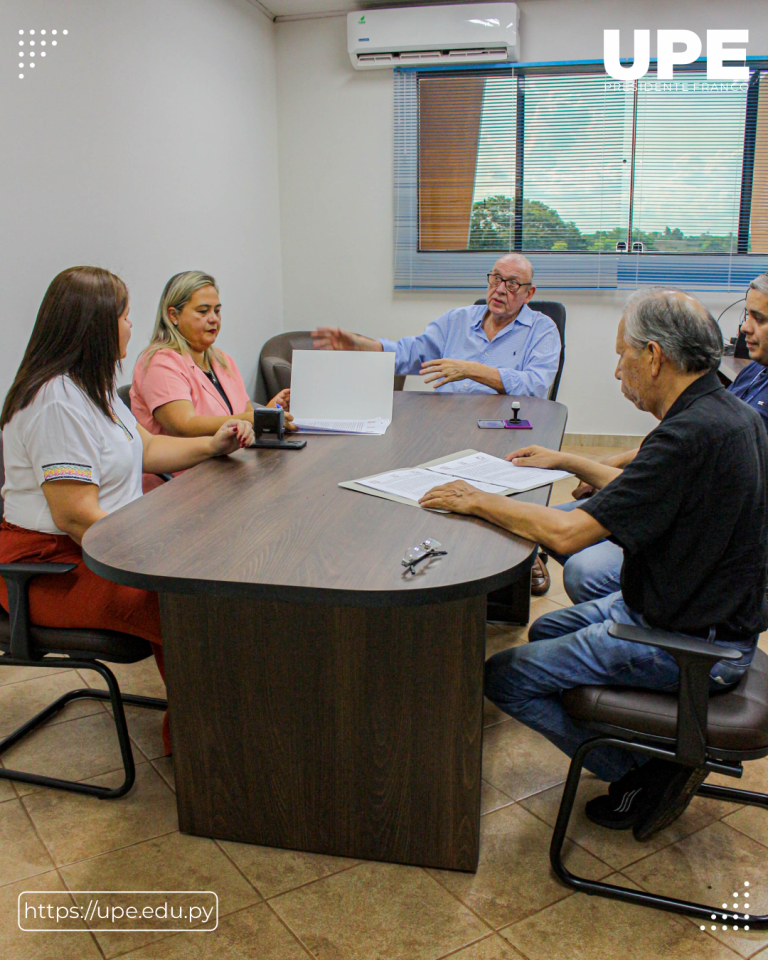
124, 393
274, 372
689, 727
555, 311
25, 645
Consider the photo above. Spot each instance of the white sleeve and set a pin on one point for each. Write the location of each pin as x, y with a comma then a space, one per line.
63, 443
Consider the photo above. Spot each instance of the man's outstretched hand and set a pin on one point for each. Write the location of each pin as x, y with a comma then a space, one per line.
334, 338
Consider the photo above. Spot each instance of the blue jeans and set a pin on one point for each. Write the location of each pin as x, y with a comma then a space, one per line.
591, 573
571, 648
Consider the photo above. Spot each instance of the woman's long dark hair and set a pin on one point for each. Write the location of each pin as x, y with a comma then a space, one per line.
76, 333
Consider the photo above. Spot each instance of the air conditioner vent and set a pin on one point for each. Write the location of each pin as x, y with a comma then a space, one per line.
454, 33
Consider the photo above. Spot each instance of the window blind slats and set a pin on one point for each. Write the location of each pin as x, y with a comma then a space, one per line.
758, 240
575, 170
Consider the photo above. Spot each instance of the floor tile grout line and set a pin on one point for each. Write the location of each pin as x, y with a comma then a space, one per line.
527, 796
574, 842
86, 928
502, 792
741, 832
486, 923
173, 933
326, 876
161, 775
447, 956
106, 853
290, 930
685, 917
239, 870
170, 933
49, 672
143, 946
37, 833
645, 856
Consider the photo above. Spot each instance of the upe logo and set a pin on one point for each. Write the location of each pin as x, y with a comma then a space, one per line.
668, 56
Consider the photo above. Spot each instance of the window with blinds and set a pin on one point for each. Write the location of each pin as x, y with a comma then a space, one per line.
600, 183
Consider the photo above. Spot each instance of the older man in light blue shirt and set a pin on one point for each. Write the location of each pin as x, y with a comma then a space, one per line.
500, 347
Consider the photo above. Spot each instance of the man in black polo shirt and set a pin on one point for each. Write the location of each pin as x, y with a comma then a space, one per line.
694, 502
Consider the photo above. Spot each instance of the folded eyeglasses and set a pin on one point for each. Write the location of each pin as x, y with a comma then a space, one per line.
422, 551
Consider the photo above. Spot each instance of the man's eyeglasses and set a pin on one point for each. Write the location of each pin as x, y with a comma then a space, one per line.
512, 285
423, 551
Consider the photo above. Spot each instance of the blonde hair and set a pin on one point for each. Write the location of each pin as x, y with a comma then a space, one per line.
177, 294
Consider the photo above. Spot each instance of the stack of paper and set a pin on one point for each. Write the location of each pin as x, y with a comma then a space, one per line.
490, 474
414, 483
481, 466
376, 427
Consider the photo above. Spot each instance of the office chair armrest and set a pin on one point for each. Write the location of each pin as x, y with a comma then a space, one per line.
17, 577
25, 571
695, 659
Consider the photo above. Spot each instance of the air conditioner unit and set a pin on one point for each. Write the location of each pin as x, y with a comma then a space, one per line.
450, 33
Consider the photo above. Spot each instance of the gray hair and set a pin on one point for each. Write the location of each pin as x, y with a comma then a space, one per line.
682, 326
177, 293
760, 283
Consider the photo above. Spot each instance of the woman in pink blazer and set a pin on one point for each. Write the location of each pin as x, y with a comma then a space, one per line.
182, 385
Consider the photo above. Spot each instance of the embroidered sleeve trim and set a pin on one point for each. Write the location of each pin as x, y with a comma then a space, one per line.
68, 471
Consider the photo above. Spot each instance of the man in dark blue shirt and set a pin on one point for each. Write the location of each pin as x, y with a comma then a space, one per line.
751, 385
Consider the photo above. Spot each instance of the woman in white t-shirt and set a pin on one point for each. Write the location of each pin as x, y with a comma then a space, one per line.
74, 453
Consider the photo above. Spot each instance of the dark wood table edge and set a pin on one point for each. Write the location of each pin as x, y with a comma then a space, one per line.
418, 596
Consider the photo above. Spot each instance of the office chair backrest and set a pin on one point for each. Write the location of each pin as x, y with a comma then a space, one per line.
274, 373
556, 312
275, 359
124, 393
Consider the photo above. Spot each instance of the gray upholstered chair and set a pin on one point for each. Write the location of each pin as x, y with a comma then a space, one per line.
555, 311
275, 363
691, 727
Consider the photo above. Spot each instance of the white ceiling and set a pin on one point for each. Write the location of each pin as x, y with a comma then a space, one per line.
290, 9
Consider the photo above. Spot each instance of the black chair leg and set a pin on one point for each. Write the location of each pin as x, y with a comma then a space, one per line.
625, 894
115, 698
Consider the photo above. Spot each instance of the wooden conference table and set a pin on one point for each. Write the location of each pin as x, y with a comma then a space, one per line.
320, 699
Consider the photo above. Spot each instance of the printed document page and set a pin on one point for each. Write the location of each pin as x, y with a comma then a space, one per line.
376, 427
341, 385
482, 467
414, 483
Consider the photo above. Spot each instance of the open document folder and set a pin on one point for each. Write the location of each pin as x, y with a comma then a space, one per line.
339, 392
487, 473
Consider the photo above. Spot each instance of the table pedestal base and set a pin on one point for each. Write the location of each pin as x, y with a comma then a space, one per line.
352, 731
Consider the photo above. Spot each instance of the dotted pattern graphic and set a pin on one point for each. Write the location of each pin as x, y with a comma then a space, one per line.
734, 916
33, 44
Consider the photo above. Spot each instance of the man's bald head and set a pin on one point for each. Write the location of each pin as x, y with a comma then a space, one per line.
504, 303
517, 262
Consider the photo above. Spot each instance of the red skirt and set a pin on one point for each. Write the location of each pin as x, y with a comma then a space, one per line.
81, 598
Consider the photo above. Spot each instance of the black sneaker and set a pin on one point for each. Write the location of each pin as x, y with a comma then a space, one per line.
666, 796
620, 808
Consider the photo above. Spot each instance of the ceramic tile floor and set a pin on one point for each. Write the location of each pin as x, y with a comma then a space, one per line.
283, 905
